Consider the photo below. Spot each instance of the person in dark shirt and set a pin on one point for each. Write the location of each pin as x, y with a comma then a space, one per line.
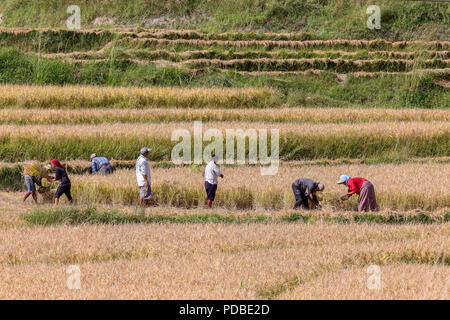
64, 182
304, 189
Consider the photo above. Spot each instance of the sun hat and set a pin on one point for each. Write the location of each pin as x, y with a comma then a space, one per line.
321, 186
93, 156
343, 179
144, 150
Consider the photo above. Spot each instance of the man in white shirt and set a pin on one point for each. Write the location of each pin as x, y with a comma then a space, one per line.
212, 171
143, 176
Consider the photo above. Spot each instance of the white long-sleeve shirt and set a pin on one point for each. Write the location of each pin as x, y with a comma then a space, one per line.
212, 171
142, 167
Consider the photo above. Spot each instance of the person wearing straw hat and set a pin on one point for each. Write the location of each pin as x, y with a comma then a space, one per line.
100, 165
305, 189
143, 176
362, 187
211, 173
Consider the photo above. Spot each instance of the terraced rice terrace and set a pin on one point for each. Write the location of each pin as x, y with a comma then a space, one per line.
362, 103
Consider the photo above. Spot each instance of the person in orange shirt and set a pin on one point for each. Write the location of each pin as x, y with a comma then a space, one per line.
362, 187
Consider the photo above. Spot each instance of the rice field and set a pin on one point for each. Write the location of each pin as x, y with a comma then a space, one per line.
293, 115
225, 261
251, 244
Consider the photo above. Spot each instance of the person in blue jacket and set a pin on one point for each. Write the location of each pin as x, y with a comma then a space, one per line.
100, 165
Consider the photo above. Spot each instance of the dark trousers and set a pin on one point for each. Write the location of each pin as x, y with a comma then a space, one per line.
300, 198
63, 189
210, 191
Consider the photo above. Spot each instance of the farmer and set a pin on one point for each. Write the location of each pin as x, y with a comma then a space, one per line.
305, 189
64, 182
364, 188
211, 173
100, 165
143, 176
33, 174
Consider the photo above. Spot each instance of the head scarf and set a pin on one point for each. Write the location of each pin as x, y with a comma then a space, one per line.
56, 163
344, 178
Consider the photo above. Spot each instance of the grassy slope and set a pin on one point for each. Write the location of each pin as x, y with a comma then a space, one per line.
326, 18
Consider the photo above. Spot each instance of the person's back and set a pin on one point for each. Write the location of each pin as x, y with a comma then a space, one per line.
212, 171
142, 168
101, 164
355, 184
34, 169
61, 175
306, 186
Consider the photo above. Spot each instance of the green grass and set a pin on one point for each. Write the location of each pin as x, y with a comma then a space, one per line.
420, 218
92, 215
11, 178
399, 91
323, 18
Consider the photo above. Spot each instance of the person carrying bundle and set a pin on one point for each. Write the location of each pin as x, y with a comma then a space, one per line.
305, 189
362, 187
100, 165
33, 174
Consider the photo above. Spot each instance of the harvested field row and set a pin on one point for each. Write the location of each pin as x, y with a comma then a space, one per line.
383, 140
143, 54
267, 64
16, 213
245, 187
378, 44
26, 34
359, 74
278, 115
81, 97
336, 65
220, 261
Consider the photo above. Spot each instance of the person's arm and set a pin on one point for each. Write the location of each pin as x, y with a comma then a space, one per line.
350, 192
218, 172
57, 175
314, 197
142, 170
351, 189
145, 178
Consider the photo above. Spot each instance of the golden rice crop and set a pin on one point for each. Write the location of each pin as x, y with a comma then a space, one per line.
218, 261
285, 114
74, 97
164, 130
400, 187
385, 141
398, 281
